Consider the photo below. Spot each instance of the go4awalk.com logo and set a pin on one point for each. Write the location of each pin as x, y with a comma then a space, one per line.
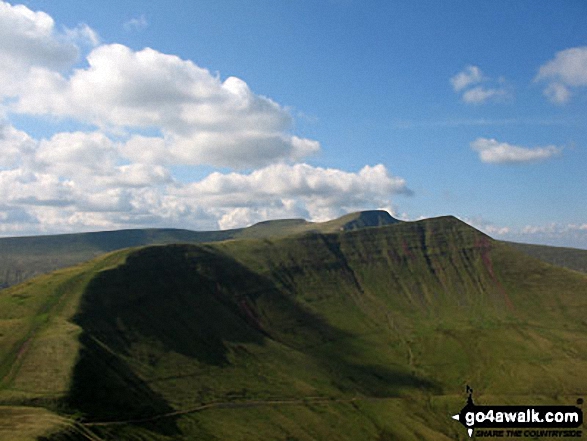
520, 421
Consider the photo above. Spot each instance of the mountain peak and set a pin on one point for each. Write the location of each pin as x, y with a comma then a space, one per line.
363, 219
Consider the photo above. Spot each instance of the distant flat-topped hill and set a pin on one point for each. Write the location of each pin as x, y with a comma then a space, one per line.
571, 258
24, 257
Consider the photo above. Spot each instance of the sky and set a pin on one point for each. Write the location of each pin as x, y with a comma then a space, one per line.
215, 114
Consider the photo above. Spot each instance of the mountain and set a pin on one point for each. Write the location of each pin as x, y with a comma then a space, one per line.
285, 227
25, 257
365, 334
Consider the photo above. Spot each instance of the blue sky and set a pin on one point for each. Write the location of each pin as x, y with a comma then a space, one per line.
218, 114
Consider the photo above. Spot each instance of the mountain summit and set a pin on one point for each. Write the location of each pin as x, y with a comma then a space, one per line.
363, 219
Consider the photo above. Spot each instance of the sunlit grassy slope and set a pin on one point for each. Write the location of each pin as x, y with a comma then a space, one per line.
355, 335
24, 257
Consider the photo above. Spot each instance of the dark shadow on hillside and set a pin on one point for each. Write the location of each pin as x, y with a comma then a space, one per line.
193, 300
104, 388
115, 240
184, 299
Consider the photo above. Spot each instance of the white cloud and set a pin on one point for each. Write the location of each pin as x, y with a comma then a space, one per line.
553, 228
498, 231
469, 76
567, 69
28, 40
495, 152
146, 150
557, 93
487, 227
464, 81
110, 200
558, 234
570, 66
83, 35
77, 154
554, 233
219, 200
302, 180
137, 175
149, 112
80, 181
16, 146
24, 187
203, 120
296, 190
136, 24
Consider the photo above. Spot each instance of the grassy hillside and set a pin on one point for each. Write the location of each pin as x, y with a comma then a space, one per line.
571, 258
24, 257
368, 334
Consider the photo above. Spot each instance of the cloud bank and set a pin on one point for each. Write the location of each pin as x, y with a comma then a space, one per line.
572, 235
139, 115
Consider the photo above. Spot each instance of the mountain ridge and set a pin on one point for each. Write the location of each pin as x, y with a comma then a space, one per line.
24, 257
27, 256
382, 326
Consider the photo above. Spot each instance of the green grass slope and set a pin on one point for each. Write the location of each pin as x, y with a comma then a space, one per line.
369, 334
24, 257
572, 258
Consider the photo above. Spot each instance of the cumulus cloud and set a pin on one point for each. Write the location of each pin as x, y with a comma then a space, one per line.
137, 194
486, 226
554, 233
203, 120
137, 175
200, 118
298, 190
301, 180
29, 40
143, 113
83, 35
15, 146
464, 81
567, 70
560, 234
76, 181
77, 153
470, 75
25, 187
495, 152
